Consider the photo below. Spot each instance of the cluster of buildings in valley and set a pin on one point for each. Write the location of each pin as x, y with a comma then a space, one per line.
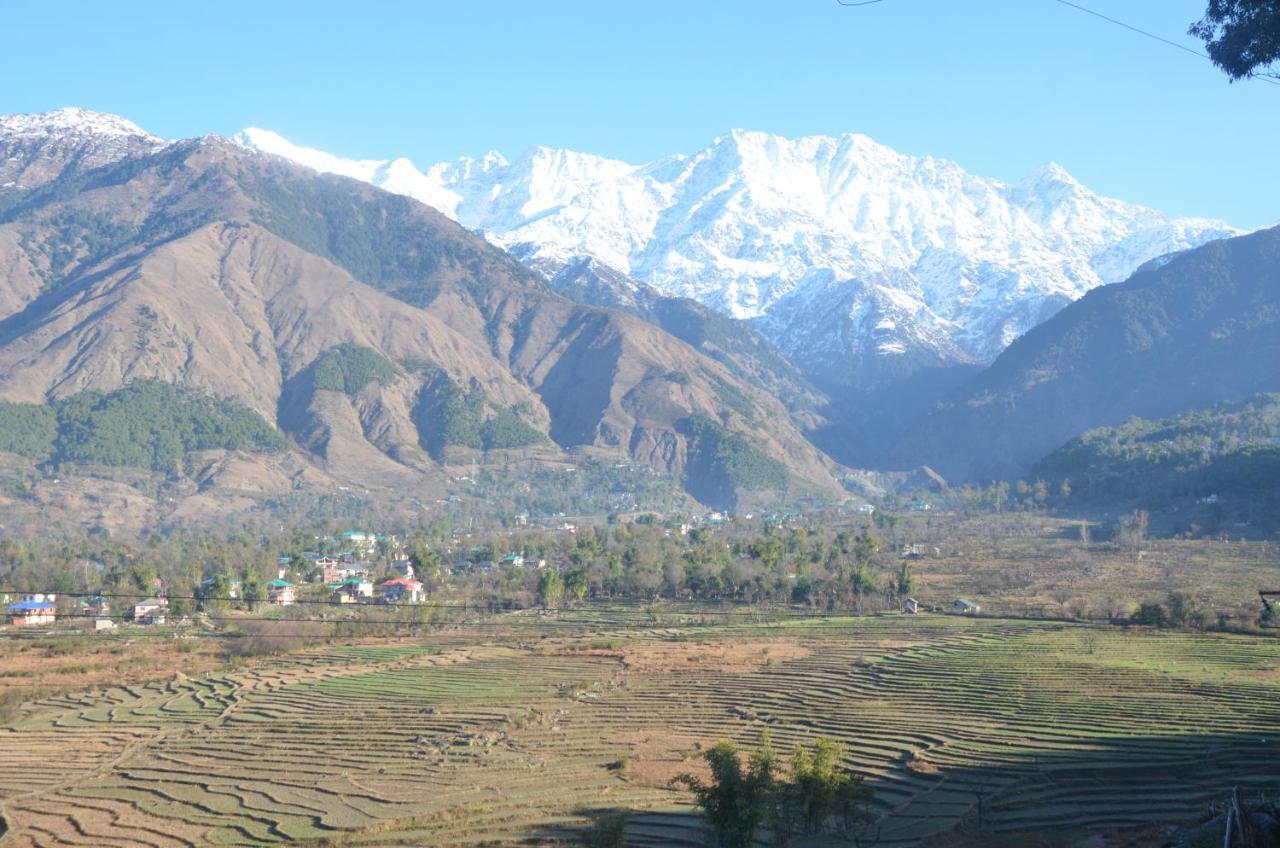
345, 578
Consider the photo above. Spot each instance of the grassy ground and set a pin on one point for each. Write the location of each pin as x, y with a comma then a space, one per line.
516, 731
1034, 564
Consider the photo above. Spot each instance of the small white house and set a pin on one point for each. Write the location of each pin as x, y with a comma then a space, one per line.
402, 591
151, 611
965, 607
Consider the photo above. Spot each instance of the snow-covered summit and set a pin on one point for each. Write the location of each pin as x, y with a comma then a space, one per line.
897, 255
71, 120
37, 148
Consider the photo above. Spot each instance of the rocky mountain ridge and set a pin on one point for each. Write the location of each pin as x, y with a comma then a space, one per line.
242, 276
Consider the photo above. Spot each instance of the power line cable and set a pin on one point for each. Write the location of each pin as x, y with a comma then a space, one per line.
1184, 48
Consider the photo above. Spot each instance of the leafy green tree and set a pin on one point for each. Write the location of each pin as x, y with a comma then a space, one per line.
150, 424
550, 588
865, 547
607, 830
906, 583
576, 584
738, 799
1242, 36
426, 564
1186, 611
28, 429
251, 589
1151, 614
141, 575
770, 552
860, 581
213, 596
821, 789
348, 368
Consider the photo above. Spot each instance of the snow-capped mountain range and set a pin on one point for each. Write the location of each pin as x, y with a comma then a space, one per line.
845, 253
859, 263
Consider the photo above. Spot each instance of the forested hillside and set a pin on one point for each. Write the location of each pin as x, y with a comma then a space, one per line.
1194, 330
146, 424
1226, 459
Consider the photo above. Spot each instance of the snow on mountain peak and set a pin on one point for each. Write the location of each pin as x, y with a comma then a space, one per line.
1051, 172
37, 148
71, 120
783, 230
318, 160
399, 175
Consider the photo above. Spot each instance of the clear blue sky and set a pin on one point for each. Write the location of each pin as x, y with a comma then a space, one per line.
1000, 86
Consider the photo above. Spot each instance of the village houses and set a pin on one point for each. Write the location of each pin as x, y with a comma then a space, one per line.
281, 593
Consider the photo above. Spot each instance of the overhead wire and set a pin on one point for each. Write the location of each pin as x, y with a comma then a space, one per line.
1116, 22
1184, 48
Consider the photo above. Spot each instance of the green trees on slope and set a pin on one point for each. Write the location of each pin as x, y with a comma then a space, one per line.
1233, 448
27, 429
146, 424
449, 416
723, 460
348, 368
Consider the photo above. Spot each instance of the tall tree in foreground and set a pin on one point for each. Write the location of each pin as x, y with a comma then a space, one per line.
1242, 37
737, 799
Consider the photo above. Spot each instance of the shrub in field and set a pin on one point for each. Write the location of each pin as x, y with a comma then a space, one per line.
258, 638
1151, 614
608, 830
11, 701
821, 796
1186, 611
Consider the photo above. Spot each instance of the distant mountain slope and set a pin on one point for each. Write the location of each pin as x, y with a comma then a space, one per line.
862, 265
1226, 457
727, 340
1199, 329
331, 307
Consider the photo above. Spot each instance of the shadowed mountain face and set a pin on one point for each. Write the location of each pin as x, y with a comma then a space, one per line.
329, 306
1197, 329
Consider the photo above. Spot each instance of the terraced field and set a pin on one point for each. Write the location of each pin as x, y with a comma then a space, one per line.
514, 733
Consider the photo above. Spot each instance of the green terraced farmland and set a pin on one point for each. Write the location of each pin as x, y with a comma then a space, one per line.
513, 733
